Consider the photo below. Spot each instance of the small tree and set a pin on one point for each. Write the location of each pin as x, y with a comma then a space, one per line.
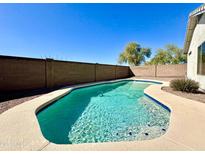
170, 55
134, 54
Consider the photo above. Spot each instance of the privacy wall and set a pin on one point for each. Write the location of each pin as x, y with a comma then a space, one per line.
17, 73
178, 70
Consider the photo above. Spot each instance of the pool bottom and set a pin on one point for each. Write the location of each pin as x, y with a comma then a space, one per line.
112, 128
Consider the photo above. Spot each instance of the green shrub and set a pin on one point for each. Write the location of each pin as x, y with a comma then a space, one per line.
185, 85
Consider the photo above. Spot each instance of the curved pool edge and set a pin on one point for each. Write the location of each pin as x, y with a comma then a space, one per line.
72, 88
29, 136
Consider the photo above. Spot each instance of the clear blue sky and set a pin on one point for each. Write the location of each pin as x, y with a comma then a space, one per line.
89, 32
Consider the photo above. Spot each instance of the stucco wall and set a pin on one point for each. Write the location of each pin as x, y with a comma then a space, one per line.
197, 39
18, 73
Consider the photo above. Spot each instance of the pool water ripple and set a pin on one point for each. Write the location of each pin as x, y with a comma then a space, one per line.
104, 113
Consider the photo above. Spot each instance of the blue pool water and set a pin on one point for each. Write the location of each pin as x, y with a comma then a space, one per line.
109, 112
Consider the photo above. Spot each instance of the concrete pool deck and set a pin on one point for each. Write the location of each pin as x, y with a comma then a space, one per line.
20, 129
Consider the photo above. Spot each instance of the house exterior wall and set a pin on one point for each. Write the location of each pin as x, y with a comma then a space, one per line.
197, 39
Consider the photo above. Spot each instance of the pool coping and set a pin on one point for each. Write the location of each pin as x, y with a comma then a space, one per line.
20, 129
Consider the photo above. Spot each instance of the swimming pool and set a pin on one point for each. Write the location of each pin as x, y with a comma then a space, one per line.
118, 111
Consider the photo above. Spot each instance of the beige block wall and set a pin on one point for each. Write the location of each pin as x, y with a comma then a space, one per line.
21, 73
122, 72
18, 73
105, 72
67, 73
178, 70
143, 71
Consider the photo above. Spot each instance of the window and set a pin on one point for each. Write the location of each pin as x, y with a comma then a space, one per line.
201, 59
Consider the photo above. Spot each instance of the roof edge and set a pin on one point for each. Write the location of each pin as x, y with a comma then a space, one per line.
192, 22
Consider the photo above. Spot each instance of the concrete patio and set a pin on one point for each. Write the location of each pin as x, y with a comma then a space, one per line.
20, 129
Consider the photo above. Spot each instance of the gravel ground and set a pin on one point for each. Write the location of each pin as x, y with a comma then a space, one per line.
11, 99
194, 96
11, 103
